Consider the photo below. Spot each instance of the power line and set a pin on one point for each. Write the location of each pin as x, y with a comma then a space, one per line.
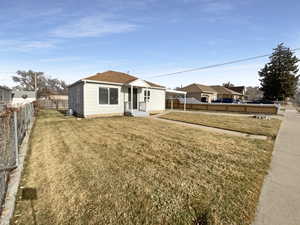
215, 65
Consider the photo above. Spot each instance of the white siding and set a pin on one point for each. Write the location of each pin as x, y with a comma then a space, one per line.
91, 100
157, 99
76, 98
84, 99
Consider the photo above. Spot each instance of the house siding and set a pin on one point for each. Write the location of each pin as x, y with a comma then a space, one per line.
91, 101
157, 100
5, 95
76, 93
84, 99
198, 95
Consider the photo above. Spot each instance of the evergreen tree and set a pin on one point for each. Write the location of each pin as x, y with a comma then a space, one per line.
279, 77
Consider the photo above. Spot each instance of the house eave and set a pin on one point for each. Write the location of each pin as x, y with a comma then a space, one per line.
120, 84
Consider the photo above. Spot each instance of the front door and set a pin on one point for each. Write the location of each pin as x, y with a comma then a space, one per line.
134, 97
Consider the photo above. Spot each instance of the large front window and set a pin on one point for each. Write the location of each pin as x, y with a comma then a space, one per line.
108, 96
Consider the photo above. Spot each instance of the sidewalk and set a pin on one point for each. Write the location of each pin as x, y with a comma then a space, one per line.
221, 113
279, 203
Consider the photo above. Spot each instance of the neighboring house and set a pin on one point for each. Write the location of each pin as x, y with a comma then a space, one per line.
5, 95
115, 93
23, 97
239, 89
200, 92
225, 93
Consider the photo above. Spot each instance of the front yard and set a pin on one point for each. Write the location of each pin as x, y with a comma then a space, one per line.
235, 123
138, 171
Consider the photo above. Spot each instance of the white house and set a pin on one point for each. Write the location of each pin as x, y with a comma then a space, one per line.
5, 95
115, 93
23, 97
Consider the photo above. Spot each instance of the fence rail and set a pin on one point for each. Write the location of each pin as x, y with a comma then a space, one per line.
14, 124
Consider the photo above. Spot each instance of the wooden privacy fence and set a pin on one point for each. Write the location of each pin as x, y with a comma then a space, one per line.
61, 104
227, 107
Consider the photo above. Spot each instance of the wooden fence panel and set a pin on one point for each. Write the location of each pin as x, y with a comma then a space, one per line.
242, 108
59, 104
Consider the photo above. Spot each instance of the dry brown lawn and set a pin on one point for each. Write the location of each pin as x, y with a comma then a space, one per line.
138, 171
243, 124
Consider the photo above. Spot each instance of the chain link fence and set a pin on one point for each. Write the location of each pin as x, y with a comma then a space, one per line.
14, 124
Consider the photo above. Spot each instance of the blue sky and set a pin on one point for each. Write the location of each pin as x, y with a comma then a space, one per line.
72, 39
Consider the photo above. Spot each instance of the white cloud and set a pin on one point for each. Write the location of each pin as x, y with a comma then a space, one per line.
6, 79
217, 7
24, 45
60, 59
93, 26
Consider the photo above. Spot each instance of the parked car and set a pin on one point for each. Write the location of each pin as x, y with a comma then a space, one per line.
261, 101
227, 100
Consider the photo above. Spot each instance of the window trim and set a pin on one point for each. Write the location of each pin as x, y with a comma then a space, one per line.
108, 96
147, 96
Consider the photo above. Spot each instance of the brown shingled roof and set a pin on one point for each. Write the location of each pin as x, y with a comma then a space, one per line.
239, 89
198, 88
117, 77
223, 90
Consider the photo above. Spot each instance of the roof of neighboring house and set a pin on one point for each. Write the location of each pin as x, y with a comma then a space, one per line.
239, 89
198, 88
117, 77
190, 100
5, 88
22, 94
223, 90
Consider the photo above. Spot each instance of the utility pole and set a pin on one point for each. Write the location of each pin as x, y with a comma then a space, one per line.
35, 83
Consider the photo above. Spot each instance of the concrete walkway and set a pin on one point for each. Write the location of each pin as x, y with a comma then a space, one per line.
211, 129
279, 202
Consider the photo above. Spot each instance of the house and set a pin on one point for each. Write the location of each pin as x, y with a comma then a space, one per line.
225, 93
23, 97
240, 89
5, 95
114, 93
200, 92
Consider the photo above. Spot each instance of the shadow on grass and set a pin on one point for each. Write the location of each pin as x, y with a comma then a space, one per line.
30, 194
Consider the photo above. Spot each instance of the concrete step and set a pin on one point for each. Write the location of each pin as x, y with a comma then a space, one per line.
140, 114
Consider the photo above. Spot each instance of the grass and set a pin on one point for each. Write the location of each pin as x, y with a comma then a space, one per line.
235, 123
129, 171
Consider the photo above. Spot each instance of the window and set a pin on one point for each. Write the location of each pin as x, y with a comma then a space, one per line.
103, 95
113, 96
108, 96
146, 96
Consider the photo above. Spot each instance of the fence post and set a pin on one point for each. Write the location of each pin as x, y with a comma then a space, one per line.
16, 138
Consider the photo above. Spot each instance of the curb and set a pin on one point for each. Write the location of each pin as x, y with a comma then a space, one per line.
14, 181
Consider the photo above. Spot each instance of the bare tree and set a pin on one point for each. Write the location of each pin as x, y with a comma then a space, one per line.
253, 93
45, 85
228, 84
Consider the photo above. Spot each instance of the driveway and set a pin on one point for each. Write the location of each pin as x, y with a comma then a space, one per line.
280, 198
